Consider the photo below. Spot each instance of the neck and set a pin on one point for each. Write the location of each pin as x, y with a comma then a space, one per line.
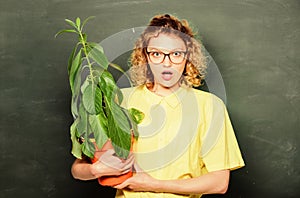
164, 91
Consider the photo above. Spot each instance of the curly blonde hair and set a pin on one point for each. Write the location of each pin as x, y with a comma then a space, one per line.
195, 68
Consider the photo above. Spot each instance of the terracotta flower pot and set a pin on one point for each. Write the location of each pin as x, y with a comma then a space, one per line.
110, 180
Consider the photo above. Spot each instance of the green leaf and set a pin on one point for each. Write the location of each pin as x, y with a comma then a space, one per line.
76, 94
82, 126
109, 87
136, 115
133, 124
118, 123
76, 146
92, 99
103, 120
99, 128
78, 22
65, 31
93, 45
119, 134
71, 23
117, 67
119, 117
119, 95
88, 99
86, 20
74, 69
71, 58
84, 85
98, 100
88, 148
84, 131
118, 128
134, 129
74, 109
98, 56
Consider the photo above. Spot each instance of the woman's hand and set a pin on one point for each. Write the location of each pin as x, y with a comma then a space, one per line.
211, 183
141, 181
110, 164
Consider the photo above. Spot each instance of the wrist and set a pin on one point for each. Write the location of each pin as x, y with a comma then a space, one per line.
156, 185
94, 171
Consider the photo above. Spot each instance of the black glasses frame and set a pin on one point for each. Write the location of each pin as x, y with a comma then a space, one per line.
166, 54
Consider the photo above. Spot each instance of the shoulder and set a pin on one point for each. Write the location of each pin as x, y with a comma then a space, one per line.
130, 90
206, 98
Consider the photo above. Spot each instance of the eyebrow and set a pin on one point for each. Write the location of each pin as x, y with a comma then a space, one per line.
161, 50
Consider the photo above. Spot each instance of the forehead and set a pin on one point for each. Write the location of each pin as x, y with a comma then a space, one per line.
167, 42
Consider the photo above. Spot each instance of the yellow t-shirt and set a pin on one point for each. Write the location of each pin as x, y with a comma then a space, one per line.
183, 135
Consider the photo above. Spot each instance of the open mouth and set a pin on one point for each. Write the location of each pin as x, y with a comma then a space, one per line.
167, 75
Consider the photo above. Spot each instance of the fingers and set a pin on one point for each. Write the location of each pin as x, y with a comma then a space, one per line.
122, 185
115, 165
129, 163
108, 154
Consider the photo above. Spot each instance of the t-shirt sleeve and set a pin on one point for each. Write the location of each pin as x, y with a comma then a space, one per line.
220, 149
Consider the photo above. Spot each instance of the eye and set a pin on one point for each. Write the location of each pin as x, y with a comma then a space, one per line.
156, 54
176, 54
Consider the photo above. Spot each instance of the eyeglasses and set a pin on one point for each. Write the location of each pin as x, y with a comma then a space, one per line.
158, 57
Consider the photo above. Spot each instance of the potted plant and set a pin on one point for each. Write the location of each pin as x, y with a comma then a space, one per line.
99, 119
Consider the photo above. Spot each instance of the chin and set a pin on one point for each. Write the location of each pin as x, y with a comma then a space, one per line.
168, 85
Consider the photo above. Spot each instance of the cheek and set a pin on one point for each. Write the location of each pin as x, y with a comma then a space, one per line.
154, 69
181, 68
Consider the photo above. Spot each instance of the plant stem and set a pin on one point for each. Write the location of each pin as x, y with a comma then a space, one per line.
83, 42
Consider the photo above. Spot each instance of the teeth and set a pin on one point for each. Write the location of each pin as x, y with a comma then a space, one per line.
167, 72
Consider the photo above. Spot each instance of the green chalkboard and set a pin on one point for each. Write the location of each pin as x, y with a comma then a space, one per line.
255, 45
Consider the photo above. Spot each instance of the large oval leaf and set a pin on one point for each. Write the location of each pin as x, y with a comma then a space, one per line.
76, 93
92, 99
109, 87
119, 129
76, 146
82, 126
99, 128
88, 99
98, 56
74, 69
88, 148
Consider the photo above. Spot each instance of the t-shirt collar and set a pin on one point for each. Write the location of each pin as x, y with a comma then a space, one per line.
172, 100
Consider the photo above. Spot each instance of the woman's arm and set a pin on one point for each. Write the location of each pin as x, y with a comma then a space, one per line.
210, 183
82, 169
108, 164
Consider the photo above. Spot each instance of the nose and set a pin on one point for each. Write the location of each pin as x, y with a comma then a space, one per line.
167, 62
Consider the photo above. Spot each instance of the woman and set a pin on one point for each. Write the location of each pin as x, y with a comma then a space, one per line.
187, 146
